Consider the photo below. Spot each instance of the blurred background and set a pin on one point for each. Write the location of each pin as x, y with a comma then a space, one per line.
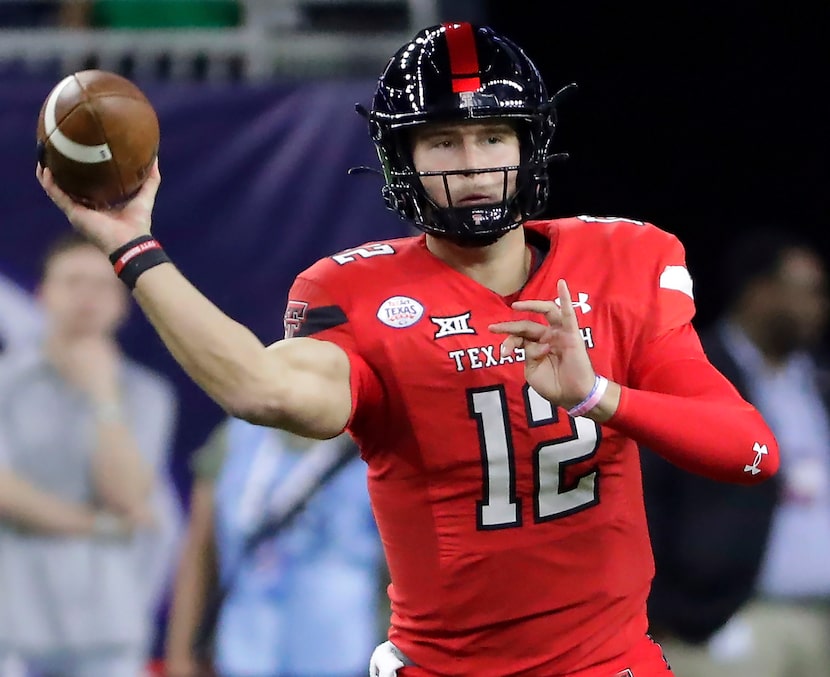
707, 119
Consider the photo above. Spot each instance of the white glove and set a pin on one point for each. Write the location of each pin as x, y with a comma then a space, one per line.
384, 661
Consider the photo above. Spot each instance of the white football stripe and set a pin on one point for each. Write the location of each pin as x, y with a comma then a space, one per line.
677, 278
62, 143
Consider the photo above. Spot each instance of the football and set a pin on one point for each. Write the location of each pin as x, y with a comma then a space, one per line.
99, 135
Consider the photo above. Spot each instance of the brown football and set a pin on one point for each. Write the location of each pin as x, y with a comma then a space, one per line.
99, 135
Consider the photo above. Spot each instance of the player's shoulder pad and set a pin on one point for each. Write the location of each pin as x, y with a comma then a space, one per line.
620, 233
371, 258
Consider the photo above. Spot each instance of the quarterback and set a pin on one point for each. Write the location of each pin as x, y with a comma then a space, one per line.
497, 372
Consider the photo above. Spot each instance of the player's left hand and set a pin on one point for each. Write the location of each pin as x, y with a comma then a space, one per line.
557, 365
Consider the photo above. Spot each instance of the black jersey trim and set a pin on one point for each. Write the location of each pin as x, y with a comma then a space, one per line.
320, 319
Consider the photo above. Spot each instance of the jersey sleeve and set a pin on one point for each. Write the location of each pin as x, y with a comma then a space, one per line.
673, 287
685, 410
313, 312
667, 288
675, 401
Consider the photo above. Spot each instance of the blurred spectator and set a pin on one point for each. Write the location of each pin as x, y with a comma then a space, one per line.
137, 14
305, 603
82, 430
743, 574
21, 320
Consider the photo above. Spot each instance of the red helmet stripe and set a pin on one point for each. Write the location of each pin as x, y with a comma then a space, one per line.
463, 57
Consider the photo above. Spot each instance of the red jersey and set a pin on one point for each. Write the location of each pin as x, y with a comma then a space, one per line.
515, 536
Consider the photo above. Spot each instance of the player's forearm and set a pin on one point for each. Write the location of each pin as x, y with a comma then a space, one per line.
724, 439
222, 356
32, 509
301, 384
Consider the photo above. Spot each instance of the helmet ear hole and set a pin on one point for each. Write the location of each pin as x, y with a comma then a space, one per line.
426, 81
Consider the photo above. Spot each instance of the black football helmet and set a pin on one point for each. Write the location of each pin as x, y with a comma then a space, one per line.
456, 71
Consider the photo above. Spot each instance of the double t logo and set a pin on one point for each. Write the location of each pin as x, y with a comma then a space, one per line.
760, 451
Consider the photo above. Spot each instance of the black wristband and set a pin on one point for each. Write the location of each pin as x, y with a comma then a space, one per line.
135, 257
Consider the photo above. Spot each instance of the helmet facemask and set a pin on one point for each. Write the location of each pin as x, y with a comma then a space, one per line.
478, 224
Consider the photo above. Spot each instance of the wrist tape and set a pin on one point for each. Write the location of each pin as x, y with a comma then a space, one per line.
138, 255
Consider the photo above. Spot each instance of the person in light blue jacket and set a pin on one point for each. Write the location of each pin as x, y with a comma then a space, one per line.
301, 603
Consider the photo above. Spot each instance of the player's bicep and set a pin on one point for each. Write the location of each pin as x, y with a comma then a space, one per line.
316, 391
336, 385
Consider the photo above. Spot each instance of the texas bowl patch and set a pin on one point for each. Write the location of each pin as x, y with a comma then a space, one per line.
400, 312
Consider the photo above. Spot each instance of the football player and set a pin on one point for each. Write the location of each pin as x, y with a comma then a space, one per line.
496, 371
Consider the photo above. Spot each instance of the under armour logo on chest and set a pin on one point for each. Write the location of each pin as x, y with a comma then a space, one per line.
581, 304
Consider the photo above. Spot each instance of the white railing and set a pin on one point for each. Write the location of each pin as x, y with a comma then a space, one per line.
218, 52
260, 49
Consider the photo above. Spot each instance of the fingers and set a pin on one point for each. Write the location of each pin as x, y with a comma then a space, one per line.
531, 336
557, 313
536, 351
510, 345
566, 308
60, 198
44, 177
154, 177
526, 329
547, 308
147, 194
533, 350
65, 203
534, 337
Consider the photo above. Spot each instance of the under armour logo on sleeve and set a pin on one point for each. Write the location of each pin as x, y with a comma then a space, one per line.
760, 451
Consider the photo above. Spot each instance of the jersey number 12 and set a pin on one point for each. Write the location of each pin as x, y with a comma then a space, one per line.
500, 507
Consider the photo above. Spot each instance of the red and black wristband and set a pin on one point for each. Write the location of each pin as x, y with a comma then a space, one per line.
138, 255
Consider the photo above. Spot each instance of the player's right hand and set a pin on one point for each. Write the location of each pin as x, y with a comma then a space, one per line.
107, 229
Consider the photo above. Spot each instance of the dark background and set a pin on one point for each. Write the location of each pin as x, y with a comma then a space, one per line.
707, 119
